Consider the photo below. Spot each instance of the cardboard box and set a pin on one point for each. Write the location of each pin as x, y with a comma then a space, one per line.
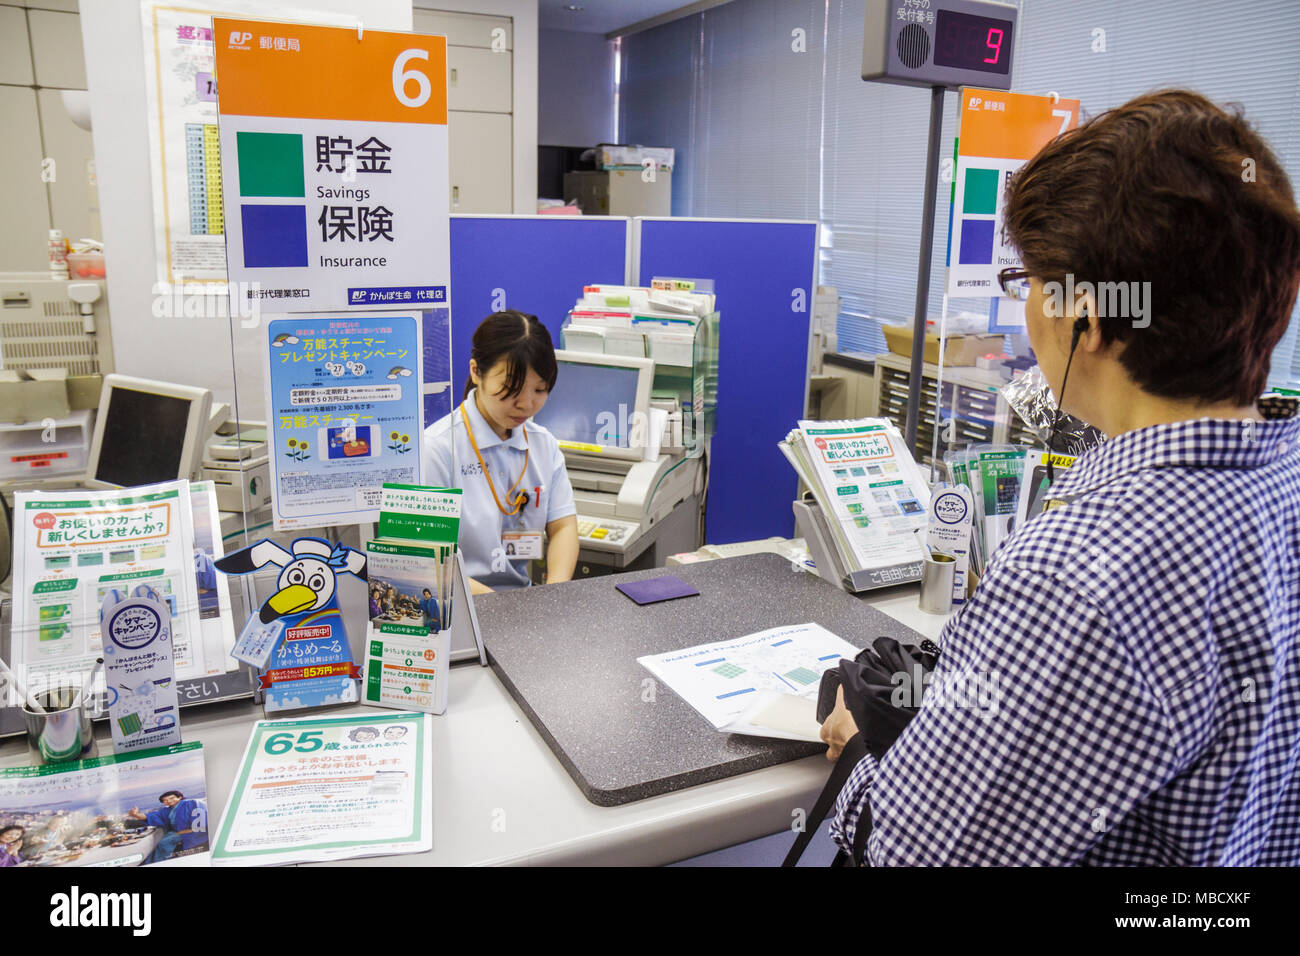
958, 349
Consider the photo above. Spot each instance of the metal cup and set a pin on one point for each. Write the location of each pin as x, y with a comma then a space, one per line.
936, 583
63, 732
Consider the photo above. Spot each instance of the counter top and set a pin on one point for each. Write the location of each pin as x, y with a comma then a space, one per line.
568, 655
500, 796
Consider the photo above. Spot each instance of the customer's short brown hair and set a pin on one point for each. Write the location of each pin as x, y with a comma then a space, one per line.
1173, 190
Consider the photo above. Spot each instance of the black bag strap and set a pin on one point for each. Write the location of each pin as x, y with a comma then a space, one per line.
853, 752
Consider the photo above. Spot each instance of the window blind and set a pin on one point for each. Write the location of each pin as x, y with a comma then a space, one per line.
763, 131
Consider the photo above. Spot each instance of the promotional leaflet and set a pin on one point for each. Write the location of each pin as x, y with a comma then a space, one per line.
334, 166
874, 497
995, 473
952, 514
123, 810
345, 412
411, 569
721, 680
328, 789
1033, 489
72, 548
142, 709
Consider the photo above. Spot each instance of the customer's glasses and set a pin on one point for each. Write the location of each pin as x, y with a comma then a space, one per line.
1015, 283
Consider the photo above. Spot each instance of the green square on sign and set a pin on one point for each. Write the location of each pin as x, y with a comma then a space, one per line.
270, 164
980, 197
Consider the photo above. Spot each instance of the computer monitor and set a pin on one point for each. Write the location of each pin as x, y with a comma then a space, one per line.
600, 404
147, 432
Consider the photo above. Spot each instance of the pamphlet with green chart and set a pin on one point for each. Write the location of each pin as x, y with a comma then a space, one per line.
870, 490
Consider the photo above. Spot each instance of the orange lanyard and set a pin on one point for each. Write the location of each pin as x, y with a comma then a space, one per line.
519, 502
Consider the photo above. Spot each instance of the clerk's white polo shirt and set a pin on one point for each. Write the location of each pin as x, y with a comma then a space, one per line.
481, 522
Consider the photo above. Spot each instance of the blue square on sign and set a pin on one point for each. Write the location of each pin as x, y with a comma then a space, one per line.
275, 237
976, 242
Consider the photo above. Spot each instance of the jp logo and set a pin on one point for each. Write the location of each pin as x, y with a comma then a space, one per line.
134, 627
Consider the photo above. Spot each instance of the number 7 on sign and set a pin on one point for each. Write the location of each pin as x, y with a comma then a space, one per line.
1064, 116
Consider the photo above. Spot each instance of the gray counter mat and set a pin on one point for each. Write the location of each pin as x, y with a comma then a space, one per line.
567, 653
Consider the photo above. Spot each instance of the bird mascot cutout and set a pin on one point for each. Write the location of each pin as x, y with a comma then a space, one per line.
311, 663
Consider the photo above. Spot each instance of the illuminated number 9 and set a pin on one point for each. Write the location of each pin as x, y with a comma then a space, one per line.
402, 76
995, 47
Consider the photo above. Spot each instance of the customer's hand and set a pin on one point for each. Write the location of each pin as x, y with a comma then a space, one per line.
839, 728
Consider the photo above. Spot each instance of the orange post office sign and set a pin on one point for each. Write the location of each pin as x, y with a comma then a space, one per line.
289, 69
998, 132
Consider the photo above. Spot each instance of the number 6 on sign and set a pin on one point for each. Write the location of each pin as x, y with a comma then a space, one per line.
402, 76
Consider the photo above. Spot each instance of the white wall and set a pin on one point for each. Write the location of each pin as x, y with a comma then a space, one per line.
576, 88
192, 351
524, 13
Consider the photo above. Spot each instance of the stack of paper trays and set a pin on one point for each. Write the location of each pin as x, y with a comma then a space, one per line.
655, 322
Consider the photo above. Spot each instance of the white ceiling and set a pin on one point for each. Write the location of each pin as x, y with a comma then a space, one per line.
601, 16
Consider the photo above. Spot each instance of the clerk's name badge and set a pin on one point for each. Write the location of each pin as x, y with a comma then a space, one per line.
522, 545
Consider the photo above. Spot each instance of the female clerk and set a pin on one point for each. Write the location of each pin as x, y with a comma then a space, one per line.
511, 471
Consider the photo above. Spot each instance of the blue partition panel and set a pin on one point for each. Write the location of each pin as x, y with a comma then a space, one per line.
437, 363
764, 272
536, 264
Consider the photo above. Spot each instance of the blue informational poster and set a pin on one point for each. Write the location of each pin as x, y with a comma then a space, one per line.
344, 414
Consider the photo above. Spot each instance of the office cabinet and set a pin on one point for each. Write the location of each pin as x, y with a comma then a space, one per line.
465, 29
480, 101
56, 49
26, 232
973, 407
478, 80
74, 197
620, 192
480, 160
15, 54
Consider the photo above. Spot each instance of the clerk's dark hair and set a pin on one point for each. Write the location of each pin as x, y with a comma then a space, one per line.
522, 342
1173, 190
170, 793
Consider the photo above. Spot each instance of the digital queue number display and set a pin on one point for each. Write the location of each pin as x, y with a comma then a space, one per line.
943, 43
972, 43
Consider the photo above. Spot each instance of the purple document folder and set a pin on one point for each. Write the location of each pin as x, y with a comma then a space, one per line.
657, 589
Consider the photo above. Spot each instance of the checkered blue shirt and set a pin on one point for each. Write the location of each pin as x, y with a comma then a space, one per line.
1124, 686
